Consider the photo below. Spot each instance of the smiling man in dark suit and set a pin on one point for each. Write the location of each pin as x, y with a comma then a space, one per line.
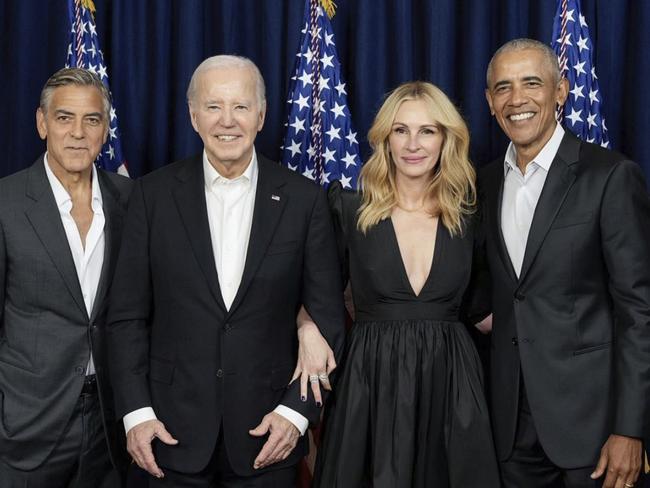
567, 236
60, 228
220, 252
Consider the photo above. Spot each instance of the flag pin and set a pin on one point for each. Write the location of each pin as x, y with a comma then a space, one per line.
275, 197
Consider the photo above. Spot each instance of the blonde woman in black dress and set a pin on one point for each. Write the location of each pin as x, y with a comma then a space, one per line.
408, 408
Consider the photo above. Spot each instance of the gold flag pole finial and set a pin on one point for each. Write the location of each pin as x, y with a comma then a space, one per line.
90, 5
329, 6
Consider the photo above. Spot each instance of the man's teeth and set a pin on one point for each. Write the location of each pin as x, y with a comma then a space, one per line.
226, 138
524, 116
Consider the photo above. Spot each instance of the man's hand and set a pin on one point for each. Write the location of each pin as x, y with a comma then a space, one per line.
138, 443
621, 457
282, 439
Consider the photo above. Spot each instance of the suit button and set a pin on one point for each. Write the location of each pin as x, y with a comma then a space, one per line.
79, 369
515, 341
220, 373
227, 327
520, 296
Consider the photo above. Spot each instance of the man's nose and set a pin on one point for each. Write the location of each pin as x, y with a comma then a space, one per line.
227, 118
517, 95
77, 129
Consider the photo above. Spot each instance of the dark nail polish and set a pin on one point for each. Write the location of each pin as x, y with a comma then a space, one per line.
303, 398
319, 404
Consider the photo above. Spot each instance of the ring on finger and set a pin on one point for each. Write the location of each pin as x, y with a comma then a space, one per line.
629, 485
313, 378
323, 377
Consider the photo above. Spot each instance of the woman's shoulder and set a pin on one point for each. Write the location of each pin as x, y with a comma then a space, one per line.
343, 200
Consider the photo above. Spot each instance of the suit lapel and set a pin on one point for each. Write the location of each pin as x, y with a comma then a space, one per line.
269, 205
189, 196
559, 180
45, 219
497, 190
113, 215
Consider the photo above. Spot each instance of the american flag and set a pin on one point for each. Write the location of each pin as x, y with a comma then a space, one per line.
583, 109
84, 52
320, 141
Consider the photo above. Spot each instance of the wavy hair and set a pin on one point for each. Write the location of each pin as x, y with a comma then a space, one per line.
453, 182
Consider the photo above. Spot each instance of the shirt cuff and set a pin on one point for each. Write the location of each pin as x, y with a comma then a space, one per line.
292, 416
137, 417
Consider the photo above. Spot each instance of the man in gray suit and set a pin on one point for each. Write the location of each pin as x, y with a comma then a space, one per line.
60, 225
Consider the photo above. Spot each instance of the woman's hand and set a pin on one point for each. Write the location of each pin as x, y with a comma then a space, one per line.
315, 359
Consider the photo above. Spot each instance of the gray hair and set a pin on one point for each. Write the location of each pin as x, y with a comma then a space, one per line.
77, 77
550, 58
228, 61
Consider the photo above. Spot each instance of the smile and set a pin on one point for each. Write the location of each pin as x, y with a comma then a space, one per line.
522, 116
227, 138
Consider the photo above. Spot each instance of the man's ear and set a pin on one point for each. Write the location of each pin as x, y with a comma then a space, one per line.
262, 117
41, 126
192, 116
488, 97
562, 91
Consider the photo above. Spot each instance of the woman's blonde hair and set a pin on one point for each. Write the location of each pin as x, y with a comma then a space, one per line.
453, 181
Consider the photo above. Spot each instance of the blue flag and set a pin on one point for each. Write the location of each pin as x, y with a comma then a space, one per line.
583, 109
320, 141
84, 52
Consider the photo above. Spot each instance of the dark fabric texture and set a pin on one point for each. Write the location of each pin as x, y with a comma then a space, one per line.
409, 409
79, 458
575, 323
151, 49
46, 333
176, 347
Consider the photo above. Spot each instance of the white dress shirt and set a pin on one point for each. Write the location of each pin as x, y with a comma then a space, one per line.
88, 259
230, 204
521, 193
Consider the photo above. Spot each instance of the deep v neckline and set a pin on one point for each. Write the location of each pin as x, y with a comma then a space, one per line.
405, 275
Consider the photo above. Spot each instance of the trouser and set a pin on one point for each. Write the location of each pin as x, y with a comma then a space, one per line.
219, 474
529, 467
79, 460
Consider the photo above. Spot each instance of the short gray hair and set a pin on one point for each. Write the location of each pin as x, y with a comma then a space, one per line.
550, 58
228, 61
77, 77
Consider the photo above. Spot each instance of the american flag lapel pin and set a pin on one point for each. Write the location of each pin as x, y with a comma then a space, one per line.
275, 197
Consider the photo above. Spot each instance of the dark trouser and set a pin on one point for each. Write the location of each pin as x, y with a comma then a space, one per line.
528, 465
219, 474
79, 460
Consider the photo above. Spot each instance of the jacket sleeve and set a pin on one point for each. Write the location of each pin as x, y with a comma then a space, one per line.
625, 234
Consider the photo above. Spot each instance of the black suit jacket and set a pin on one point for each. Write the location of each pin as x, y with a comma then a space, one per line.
178, 349
576, 323
46, 334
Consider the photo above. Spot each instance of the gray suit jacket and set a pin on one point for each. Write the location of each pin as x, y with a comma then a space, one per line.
46, 334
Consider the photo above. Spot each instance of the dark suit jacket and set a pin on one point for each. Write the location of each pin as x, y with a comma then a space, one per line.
577, 321
176, 347
46, 334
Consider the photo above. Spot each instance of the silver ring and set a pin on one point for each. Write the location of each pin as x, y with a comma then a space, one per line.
323, 377
629, 485
313, 378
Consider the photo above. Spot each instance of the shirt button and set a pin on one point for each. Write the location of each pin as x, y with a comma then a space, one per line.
220, 373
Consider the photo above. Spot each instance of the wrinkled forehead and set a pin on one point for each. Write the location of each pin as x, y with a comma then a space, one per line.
78, 99
520, 64
228, 82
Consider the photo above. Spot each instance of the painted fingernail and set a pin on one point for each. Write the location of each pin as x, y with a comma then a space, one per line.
319, 404
303, 398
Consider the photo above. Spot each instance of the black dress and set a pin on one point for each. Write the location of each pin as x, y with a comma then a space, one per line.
408, 409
